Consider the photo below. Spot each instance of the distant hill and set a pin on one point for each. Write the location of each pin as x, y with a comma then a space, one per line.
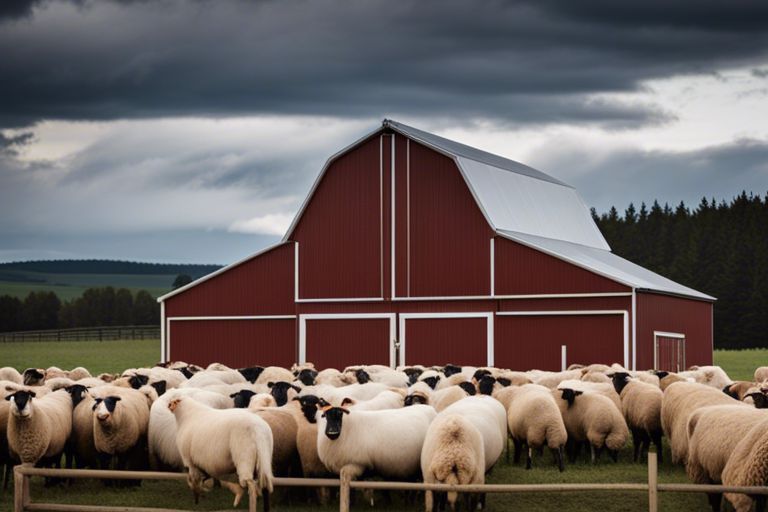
70, 278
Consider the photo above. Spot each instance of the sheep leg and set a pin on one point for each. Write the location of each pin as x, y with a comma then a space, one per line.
715, 498
235, 489
508, 448
557, 453
759, 503
195, 482
528, 458
351, 472
635, 445
656, 437
518, 450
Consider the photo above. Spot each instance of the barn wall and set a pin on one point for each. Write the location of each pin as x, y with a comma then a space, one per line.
337, 343
340, 231
521, 270
534, 342
439, 341
449, 236
260, 286
235, 343
656, 312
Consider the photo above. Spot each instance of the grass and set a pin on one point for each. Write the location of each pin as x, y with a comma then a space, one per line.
70, 286
97, 356
113, 356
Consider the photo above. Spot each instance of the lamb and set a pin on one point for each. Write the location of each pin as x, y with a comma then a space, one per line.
748, 466
641, 406
535, 420
11, 374
38, 428
220, 442
451, 451
387, 442
120, 422
679, 401
161, 432
592, 417
713, 434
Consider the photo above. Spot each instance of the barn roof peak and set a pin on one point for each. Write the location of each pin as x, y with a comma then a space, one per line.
457, 149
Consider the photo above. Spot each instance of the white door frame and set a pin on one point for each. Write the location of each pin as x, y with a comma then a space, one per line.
665, 334
346, 316
478, 314
624, 313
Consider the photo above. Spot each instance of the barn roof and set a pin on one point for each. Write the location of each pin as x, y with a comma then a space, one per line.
606, 264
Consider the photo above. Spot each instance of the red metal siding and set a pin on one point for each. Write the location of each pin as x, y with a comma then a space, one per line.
568, 304
260, 286
534, 342
402, 215
439, 341
693, 318
450, 239
346, 342
235, 343
521, 270
340, 232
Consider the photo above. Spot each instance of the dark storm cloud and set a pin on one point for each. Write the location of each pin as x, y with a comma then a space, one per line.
514, 62
10, 144
721, 171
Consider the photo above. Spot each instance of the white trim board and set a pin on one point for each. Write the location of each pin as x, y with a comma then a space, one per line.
674, 335
474, 314
622, 312
167, 323
349, 316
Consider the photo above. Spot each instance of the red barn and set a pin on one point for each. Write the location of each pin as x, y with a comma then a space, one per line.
414, 249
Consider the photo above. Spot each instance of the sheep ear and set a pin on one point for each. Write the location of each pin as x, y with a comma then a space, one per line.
322, 403
296, 388
504, 381
296, 398
233, 395
32, 393
347, 401
577, 393
345, 411
270, 384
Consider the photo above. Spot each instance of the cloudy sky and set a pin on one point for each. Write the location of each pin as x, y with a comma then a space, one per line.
190, 130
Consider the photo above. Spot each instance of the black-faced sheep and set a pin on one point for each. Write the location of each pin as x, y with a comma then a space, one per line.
534, 420
592, 417
38, 428
641, 406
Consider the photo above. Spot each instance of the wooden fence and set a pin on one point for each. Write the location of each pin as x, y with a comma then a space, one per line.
23, 501
126, 332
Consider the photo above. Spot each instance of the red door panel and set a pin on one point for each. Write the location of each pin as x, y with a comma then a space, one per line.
235, 343
534, 342
439, 341
337, 343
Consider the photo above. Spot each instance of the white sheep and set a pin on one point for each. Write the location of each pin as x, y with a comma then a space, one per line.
221, 442
443, 398
331, 377
388, 442
274, 374
679, 401
713, 434
38, 427
390, 399
306, 443
761, 374
161, 432
748, 466
641, 406
120, 421
11, 374
285, 455
552, 379
592, 417
534, 419
602, 388
713, 376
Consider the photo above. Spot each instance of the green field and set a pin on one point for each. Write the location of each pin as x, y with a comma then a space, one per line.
113, 356
69, 286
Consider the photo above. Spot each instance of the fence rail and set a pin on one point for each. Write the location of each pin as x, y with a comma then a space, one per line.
23, 501
110, 333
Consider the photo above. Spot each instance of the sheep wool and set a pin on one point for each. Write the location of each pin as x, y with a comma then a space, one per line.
748, 465
221, 442
11, 374
39, 427
535, 420
641, 406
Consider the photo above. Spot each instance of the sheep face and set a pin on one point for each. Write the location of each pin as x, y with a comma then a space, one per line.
451, 369
569, 395
307, 376
333, 416
185, 371
431, 381
479, 374
252, 373
242, 398
22, 403
34, 376
77, 392
362, 376
136, 381
485, 385
414, 399
761, 401
279, 390
620, 380
309, 405
468, 388
105, 407
413, 374
661, 374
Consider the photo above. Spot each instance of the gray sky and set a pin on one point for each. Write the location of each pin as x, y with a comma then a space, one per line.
190, 131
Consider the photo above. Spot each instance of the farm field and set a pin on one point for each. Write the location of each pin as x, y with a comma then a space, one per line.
113, 356
19, 283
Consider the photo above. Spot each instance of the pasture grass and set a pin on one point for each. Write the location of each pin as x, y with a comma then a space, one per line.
96, 356
71, 286
114, 356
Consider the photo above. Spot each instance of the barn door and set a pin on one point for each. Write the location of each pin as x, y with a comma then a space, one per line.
440, 338
341, 340
669, 351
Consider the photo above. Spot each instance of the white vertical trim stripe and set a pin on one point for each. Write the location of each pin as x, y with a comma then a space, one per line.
493, 269
392, 195
163, 354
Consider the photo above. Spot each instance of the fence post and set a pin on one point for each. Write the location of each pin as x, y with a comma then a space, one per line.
20, 490
653, 482
344, 494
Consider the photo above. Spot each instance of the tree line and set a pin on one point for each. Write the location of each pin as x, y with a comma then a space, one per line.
719, 248
108, 267
95, 308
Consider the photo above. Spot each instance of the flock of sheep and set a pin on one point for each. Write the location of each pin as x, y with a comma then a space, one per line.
446, 424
